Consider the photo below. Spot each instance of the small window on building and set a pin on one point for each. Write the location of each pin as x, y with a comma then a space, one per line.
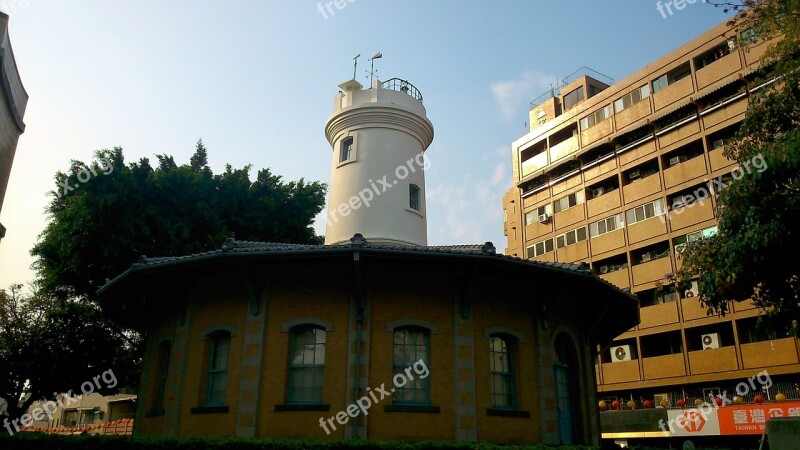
306, 364
573, 98
411, 345
218, 368
501, 362
413, 197
346, 149
568, 201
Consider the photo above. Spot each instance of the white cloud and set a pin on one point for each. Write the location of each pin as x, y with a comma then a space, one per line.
511, 95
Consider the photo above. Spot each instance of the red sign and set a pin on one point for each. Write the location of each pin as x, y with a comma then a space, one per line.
752, 419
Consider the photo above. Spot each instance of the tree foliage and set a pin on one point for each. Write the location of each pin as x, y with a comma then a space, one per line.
752, 255
49, 345
102, 226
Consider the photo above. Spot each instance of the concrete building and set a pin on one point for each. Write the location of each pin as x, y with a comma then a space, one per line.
620, 176
375, 334
14, 99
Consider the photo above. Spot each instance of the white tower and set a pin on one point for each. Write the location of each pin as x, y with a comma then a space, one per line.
379, 137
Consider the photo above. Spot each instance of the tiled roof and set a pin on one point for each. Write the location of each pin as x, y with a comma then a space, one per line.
357, 242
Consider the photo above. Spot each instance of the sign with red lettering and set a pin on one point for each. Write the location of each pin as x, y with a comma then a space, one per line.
752, 419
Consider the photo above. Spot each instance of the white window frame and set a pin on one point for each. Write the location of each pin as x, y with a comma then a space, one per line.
618, 221
658, 210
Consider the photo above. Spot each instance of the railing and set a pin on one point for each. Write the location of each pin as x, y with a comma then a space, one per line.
396, 84
550, 93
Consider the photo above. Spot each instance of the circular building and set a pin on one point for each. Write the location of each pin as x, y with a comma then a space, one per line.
375, 335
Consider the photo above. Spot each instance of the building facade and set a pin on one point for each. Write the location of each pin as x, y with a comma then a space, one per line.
620, 176
377, 336
14, 99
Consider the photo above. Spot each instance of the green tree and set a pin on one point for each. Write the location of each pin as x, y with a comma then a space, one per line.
752, 255
99, 227
49, 345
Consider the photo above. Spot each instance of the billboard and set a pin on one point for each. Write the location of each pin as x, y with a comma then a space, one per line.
693, 422
752, 419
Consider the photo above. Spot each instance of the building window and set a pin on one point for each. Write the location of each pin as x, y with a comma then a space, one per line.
346, 149
413, 197
632, 98
596, 117
306, 364
540, 248
573, 98
571, 237
644, 212
672, 77
606, 225
501, 361
218, 368
164, 350
539, 214
411, 344
576, 198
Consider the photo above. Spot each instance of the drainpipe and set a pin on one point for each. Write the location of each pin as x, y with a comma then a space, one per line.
358, 297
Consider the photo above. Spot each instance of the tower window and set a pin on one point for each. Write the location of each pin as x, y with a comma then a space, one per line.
413, 197
346, 149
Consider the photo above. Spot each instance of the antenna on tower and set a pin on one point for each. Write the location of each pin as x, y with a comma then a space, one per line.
355, 65
372, 66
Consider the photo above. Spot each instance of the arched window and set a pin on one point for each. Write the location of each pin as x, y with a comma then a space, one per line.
501, 364
411, 345
160, 375
219, 352
306, 364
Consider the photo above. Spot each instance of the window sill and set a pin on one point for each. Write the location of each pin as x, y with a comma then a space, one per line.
302, 407
411, 409
345, 162
415, 212
210, 410
507, 413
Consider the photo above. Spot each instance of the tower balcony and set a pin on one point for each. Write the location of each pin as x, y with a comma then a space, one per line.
397, 84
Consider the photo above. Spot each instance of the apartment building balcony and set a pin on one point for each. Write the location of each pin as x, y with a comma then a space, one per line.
547, 257
637, 153
776, 352
718, 69
641, 188
533, 164
666, 366
691, 214
603, 203
599, 169
673, 93
754, 53
573, 253
596, 132
655, 315
569, 183
618, 278
727, 114
646, 229
651, 271
718, 160
537, 229
565, 148
569, 217
713, 360
608, 241
621, 372
685, 171
633, 113
744, 305
673, 137
692, 309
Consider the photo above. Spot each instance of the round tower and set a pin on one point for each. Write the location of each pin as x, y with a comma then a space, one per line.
379, 137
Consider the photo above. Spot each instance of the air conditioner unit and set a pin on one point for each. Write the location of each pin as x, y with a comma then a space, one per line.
634, 174
646, 256
680, 248
544, 217
676, 160
718, 143
603, 269
620, 353
598, 192
691, 292
710, 341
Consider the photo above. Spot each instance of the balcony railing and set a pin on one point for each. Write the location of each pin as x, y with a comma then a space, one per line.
396, 84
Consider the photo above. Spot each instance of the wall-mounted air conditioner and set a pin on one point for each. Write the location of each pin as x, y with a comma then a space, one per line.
710, 341
620, 353
680, 248
634, 174
597, 192
691, 292
646, 256
718, 143
676, 160
543, 218
603, 269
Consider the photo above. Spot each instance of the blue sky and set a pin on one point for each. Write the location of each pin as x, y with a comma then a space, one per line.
255, 80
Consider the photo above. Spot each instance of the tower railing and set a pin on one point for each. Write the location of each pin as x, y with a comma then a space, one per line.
396, 84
